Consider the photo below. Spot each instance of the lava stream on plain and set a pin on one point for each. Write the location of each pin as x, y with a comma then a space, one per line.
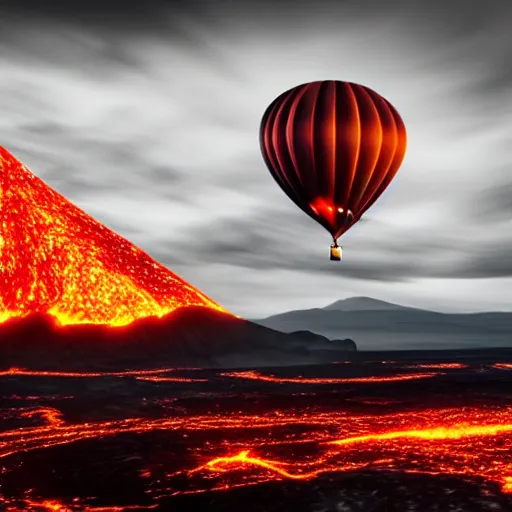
470, 442
21, 372
254, 375
227, 448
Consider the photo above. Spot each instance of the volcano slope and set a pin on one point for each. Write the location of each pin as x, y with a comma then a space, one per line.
56, 259
74, 293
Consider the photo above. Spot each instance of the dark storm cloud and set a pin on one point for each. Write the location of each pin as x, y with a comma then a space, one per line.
100, 29
493, 203
487, 260
128, 16
272, 240
146, 115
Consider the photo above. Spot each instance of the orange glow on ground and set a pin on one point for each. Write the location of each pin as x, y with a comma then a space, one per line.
439, 366
463, 442
50, 415
221, 464
443, 441
503, 366
228, 448
57, 259
55, 506
171, 379
75, 375
253, 375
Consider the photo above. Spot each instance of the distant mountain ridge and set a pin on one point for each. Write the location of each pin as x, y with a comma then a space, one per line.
365, 304
378, 325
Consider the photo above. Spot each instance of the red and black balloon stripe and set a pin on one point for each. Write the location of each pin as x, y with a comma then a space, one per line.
333, 147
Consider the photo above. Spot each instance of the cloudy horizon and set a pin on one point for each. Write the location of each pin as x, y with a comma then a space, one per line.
148, 118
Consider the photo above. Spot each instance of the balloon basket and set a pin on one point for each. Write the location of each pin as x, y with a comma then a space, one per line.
336, 252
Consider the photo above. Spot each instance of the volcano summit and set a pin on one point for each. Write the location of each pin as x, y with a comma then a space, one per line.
56, 259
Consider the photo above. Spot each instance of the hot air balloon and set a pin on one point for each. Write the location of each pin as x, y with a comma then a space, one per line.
333, 147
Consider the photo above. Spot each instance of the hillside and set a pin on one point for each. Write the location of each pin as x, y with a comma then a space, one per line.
187, 337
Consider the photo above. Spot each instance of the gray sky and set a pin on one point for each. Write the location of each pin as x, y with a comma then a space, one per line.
148, 116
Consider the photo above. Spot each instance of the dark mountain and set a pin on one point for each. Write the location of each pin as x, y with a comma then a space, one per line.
378, 325
187, 337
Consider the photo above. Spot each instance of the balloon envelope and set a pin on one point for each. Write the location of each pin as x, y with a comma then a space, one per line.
333, 147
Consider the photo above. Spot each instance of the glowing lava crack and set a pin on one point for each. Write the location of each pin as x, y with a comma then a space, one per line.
56, 259
467, 442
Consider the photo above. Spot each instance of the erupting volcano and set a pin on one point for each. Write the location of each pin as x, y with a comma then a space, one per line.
74, 294
56, 259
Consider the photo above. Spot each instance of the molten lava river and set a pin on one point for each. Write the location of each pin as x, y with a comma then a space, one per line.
357, 436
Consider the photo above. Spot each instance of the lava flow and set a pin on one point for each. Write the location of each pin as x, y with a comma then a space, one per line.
253, 375
503, 366
149, 375
438, 366
448, 442
469, 442
56, 259
202, 441
51, 415
83, 375
170, 379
